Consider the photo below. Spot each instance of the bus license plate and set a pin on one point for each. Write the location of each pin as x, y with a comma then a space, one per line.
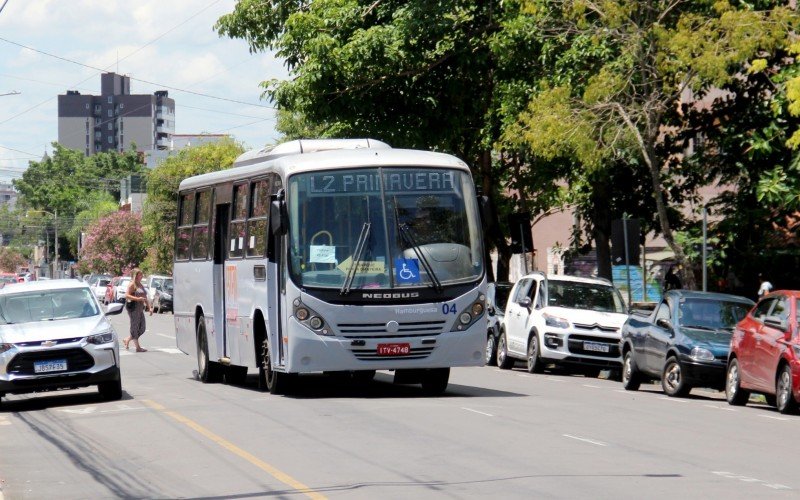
56, 365
393, 349
595, 346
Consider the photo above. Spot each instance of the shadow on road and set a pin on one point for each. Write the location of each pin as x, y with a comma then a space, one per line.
341, 385
46, 400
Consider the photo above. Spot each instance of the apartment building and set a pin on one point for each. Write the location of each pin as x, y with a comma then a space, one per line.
116, 119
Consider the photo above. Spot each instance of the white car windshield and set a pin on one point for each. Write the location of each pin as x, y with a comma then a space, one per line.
577, 295
47, 305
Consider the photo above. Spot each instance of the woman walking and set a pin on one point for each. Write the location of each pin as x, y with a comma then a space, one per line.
136, 298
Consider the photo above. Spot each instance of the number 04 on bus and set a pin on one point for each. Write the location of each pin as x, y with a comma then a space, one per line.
331, 256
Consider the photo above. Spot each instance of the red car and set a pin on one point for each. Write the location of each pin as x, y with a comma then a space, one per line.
765, 353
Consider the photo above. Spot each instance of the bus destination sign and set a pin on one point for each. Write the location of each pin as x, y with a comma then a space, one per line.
369, 183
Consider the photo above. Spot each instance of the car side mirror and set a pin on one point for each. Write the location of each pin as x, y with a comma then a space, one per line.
526, 302
777, 323
665, 324
114, 308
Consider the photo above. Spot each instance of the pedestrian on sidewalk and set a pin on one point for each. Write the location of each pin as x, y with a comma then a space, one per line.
136, 303
672, 281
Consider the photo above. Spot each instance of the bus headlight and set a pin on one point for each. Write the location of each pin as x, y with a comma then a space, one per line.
316, 322
465, 318
471, 314
301, 313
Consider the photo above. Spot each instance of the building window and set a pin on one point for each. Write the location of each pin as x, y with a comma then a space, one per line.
110, 99
122, 105
110, 139
97, 136
87, 151
87, 105
110, 113
121, 125
87, 125
87, 139
97, 147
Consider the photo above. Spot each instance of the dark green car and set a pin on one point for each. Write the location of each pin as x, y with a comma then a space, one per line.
684, 341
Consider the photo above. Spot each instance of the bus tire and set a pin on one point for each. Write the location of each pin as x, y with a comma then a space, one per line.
269, 379
208, 371
434, 382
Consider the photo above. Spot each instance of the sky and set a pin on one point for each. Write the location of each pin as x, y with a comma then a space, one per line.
170, 43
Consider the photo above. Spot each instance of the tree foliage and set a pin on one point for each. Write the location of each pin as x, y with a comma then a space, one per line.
114, 244
161, 206
10, 259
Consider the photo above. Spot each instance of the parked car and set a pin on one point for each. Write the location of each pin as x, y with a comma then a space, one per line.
684, 341
55, 335
99, 286
150, 284
115, 291
564, 320
6, 279
162, 298
496, 299
765, 353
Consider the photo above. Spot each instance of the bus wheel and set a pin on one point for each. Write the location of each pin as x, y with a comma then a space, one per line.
434, 382
269, 379
207, 370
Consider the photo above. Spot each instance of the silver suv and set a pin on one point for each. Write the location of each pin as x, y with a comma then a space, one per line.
54, 335
563, 320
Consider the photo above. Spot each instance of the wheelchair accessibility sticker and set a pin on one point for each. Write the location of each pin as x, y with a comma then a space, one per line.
406, 270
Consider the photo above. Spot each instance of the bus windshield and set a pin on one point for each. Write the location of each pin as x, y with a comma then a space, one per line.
383, 228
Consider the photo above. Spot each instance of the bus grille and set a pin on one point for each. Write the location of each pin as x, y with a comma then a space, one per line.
372, 354
378, 330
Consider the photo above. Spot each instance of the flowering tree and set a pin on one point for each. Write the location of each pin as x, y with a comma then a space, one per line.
114, 243
10, 259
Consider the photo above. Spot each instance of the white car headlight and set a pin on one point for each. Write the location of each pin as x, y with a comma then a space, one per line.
555, 321
701, 354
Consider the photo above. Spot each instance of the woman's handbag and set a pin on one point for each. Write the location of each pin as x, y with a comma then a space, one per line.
130, 305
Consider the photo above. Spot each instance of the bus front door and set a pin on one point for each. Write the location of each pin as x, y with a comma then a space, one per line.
221, 284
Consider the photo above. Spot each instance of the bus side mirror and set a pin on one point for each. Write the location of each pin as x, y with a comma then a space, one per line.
279, 217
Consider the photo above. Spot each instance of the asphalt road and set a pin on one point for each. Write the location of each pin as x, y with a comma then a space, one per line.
493, 433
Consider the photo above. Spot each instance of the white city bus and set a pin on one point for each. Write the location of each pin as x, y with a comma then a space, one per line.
331, 256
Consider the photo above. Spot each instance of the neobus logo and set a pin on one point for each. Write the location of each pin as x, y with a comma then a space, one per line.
401, 295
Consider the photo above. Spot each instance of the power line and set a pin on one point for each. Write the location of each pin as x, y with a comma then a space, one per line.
155, 84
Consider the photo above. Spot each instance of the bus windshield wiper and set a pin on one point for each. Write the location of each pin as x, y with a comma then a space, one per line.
360, 245
408, 235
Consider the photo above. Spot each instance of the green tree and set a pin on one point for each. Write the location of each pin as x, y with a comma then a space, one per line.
657, 52
65, 183
10, 259
416, 74
161, 206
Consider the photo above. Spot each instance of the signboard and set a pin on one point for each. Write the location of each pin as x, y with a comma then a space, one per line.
430, 181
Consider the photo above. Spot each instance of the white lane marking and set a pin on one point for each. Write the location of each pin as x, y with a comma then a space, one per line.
592, 386
585, 440
123, 408
773, 418
623, 391
166, 350
163, 335
553, 379
476, 411
716, 407
80, 411
748, 479
665, 398
4, 421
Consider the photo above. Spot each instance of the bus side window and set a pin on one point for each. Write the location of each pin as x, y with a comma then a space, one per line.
236, 231
258, 222
200, 241
183, 239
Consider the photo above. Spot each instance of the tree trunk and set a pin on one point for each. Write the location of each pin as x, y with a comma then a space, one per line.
493, 236
647, 148
601, 226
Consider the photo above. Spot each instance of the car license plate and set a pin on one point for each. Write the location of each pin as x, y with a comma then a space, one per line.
595, 346
393, 349
56, 365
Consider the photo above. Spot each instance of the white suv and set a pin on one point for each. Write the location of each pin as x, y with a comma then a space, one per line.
563, 320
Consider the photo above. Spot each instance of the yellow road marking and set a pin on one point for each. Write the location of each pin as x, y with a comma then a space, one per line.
269, 469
